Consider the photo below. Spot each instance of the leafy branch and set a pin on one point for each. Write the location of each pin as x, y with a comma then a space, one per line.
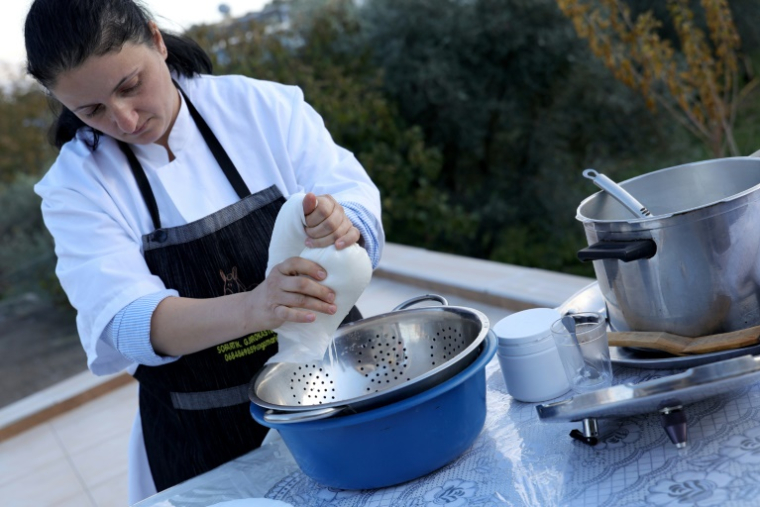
699, 85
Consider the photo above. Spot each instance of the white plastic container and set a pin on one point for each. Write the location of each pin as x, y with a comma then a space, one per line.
528, 357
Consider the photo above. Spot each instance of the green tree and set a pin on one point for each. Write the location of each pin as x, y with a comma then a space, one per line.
518, 107
25, 116
27, 262
320, 53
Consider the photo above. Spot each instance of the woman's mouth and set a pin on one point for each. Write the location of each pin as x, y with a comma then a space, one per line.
141, 129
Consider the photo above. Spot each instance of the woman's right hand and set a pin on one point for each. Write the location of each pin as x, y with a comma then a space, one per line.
292, 293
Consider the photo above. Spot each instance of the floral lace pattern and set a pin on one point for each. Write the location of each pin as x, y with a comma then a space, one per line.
520, 461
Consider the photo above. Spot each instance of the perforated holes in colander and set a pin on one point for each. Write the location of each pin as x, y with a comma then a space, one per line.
313, 383
453, 343
386, 368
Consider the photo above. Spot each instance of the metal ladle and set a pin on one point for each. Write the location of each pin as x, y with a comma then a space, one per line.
618, 193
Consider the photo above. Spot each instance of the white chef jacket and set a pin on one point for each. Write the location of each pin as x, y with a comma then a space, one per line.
93, 208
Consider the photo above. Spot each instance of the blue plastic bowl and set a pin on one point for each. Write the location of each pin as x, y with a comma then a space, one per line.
397, 442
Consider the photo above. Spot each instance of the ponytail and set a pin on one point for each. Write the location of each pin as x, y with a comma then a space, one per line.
65, 127
186, 58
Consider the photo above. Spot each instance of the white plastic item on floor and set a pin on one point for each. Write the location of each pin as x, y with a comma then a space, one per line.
528, 356
348, 273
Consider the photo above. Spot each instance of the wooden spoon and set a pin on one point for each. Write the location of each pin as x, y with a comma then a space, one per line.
683, 345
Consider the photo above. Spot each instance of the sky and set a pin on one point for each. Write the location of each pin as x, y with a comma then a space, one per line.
175, 15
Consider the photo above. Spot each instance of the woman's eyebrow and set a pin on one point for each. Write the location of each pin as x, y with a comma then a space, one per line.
115, 88
124, 80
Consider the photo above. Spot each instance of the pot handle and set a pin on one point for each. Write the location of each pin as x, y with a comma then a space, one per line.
301, 415
625, 251
426, 297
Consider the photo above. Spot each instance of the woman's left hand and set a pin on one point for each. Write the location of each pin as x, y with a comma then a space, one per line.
327, 223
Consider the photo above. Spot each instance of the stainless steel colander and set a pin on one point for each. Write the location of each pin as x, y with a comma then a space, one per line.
375, 361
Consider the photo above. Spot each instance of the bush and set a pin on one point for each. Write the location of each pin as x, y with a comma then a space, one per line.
27, 261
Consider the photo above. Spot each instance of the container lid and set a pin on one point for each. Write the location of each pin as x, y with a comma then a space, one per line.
526, 327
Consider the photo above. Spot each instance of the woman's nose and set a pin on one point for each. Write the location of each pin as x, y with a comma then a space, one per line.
125, 117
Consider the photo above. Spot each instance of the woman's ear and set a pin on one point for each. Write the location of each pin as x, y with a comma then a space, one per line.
158, 39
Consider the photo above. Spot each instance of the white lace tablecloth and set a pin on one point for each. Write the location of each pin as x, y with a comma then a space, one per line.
520, 461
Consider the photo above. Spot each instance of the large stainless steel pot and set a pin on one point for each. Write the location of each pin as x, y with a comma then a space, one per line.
692, 267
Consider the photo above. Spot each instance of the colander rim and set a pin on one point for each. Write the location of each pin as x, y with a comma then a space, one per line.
378, 396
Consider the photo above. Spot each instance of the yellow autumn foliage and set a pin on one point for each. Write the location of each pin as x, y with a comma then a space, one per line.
698, 85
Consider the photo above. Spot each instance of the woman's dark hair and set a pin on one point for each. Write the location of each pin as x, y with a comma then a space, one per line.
61, 34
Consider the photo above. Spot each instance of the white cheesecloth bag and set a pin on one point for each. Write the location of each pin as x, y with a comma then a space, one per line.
348, 274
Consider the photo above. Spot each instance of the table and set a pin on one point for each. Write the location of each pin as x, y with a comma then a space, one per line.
520, 461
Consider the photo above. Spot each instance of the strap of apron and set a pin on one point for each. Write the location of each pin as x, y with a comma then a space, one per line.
142, 184
224, 161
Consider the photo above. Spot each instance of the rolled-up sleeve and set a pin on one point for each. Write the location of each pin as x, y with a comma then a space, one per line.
129, 330
364, 222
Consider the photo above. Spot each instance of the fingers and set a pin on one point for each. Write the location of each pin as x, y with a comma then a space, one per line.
324, 237
310, 204
296, 266
322, 208
294, 293
327, 223
352, 236
303, 292
286, 314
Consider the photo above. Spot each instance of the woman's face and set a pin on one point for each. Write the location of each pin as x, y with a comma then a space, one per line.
128, 95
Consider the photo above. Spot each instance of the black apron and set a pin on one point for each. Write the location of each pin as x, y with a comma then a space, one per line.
195, 410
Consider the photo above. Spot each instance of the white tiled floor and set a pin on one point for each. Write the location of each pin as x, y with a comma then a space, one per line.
76, 459
79, 459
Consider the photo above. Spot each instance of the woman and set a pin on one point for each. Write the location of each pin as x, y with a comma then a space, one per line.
162, 202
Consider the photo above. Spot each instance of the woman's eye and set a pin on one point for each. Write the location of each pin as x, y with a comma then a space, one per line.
131, 89
94, 111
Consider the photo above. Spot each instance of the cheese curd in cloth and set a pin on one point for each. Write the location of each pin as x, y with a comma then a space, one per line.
348, 273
